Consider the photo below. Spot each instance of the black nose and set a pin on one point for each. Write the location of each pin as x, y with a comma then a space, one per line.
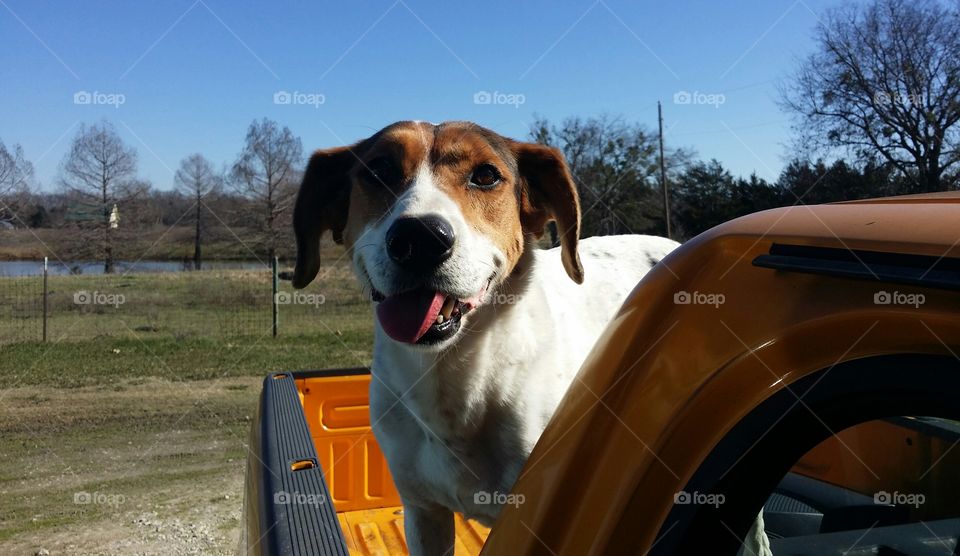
421, 243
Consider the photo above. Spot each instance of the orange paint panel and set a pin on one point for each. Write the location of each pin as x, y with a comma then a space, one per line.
338, 416
369, 534
378, 476
357, 474
344, 416
380, 531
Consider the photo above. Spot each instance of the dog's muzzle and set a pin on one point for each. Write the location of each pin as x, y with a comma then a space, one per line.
418, 246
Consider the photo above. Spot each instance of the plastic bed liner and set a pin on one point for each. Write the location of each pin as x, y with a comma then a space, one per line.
324, 486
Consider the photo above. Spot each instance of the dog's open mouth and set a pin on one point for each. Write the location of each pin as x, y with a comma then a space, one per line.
421, 316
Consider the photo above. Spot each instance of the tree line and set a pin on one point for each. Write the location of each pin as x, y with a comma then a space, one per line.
101, 203
616, 167
876, 108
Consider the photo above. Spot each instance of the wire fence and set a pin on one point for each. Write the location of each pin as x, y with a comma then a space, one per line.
206, 303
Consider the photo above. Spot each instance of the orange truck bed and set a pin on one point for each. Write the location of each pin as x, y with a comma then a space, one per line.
319, 482
369, 510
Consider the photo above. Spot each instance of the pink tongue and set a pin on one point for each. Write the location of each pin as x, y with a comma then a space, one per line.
406, 317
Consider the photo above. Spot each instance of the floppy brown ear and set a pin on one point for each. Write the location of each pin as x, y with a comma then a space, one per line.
549, 193
322, 204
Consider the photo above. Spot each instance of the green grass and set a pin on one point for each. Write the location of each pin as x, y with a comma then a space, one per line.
216, 304
151, 401
104, 362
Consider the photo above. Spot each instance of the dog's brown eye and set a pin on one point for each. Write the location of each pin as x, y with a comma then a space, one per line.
383, 170
485, 176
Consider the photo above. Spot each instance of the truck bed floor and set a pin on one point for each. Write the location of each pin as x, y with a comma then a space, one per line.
380, 532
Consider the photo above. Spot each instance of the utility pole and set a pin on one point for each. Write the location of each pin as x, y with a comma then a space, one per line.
663, 174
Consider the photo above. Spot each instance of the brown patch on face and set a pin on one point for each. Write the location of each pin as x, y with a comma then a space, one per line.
403, 145
458, 150
453, 150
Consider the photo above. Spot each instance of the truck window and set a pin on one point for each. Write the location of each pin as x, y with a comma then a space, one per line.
883, 486
864, 453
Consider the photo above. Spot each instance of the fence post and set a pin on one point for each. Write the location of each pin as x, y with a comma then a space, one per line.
45, 291
276, 290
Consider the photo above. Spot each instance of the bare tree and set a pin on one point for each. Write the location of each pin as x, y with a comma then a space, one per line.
16, 173
196, 179
885, 84
99, 171
267, 172
616, 167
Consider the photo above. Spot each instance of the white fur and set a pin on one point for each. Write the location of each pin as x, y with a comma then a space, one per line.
463, 275
460, 420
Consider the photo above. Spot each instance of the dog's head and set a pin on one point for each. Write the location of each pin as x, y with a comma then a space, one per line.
435, 216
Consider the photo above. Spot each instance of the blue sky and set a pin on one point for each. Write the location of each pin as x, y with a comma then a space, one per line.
192, 74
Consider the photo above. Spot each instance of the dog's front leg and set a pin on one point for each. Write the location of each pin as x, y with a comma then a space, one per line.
756, 543
429, 531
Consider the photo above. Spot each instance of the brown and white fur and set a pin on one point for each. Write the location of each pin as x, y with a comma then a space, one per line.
459, 416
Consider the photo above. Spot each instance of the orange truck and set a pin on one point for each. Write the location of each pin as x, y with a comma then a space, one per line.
802, 362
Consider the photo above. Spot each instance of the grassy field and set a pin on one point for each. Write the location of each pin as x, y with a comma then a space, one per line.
177, 305
151, 243
126, 433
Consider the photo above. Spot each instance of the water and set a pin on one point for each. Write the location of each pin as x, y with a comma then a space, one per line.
32, 268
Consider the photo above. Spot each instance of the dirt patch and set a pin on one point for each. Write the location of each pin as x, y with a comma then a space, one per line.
148, 467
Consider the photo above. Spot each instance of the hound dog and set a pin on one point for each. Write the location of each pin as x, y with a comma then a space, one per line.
478, 333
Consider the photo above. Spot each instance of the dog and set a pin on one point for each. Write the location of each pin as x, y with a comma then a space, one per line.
478, 332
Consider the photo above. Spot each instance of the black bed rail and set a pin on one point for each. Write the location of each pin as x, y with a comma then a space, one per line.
288, 508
